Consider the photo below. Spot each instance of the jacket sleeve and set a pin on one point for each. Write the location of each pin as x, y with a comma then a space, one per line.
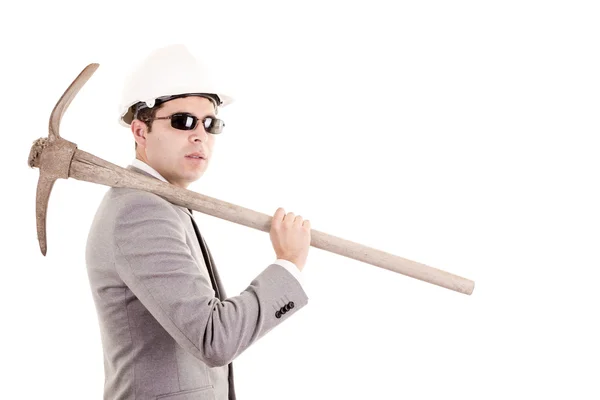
153, 259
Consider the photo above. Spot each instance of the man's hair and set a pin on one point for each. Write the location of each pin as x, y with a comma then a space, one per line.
147, 115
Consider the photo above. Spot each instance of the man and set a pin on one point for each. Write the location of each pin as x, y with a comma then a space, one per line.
168, 329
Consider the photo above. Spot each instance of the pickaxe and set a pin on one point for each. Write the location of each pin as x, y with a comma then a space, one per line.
58, 158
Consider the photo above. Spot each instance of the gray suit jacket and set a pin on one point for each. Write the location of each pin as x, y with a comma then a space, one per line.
168, 330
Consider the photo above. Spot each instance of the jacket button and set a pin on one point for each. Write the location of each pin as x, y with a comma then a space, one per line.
278, 314
283, 310
291, 304
287, 307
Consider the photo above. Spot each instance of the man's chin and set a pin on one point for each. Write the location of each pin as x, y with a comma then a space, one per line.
192, 177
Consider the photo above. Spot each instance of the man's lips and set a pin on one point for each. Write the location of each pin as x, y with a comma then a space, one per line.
196, 156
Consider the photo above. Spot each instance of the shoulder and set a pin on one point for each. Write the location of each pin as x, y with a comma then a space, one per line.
139, 214
129, 202
129, 195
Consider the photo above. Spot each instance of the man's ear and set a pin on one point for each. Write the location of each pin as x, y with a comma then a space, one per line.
139, 130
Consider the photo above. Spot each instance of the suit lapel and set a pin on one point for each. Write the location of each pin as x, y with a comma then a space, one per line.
210, 264
215, 271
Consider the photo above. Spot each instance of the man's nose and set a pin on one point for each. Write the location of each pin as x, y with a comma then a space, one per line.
199, 134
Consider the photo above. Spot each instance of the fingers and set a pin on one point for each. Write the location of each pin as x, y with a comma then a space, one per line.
306, 225
278, 216
290, 218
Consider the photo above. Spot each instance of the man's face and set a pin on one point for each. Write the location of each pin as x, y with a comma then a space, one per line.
167, 149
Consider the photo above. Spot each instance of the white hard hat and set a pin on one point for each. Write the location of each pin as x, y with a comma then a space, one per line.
166, 72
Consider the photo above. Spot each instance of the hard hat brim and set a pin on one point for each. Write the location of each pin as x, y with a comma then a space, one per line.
128, 113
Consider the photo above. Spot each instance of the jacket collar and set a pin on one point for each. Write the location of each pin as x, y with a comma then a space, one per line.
159, 177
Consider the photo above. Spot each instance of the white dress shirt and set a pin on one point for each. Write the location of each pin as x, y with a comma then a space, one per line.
290, 266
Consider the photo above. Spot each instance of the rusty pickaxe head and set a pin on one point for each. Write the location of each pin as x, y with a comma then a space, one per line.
53, 155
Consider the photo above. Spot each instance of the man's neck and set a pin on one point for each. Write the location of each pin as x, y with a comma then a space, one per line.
147, 168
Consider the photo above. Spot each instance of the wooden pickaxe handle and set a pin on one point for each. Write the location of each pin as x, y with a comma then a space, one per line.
87, 167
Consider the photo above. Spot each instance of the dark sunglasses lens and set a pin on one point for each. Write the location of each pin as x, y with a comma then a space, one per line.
213, 125
184, 122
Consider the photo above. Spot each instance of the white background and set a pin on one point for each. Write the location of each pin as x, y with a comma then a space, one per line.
460, 134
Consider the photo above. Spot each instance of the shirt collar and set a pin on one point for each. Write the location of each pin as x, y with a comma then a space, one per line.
145, 167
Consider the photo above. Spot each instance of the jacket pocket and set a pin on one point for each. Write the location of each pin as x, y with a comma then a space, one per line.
203, 393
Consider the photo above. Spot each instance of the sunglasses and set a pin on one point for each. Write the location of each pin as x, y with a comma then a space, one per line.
188, 122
